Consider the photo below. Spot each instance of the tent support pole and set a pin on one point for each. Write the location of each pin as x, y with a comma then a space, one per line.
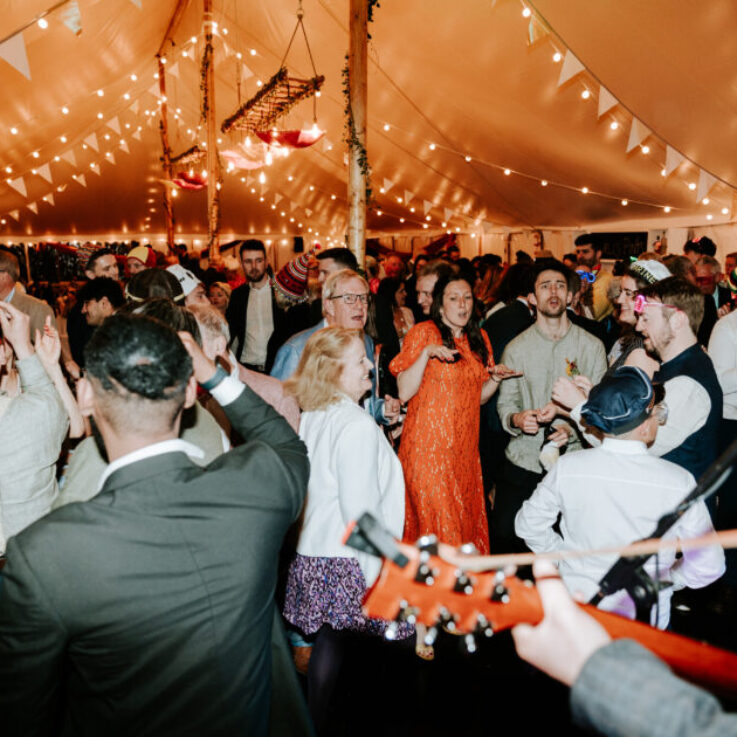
164, 131
213, 164
357, 70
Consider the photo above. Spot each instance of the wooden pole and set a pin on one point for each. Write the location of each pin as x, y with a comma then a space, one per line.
164, 131
357, 180
213, 162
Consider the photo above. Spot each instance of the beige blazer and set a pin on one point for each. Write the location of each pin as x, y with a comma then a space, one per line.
36, 309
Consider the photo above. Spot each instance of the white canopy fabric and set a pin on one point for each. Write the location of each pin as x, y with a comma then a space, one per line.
470, 127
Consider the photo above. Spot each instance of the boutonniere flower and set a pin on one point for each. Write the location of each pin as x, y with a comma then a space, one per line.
572, 368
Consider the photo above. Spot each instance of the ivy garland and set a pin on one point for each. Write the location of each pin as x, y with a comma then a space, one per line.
206, 61
351, 137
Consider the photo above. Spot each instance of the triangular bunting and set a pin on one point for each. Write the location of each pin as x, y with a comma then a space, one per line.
606, 100
80, 179
247, 73
228, 51
49, 198
61, 187
124, 147
110, 156
486, 227
174, 70
71, 17
154, 90
638, 133
278, 198
15, 214
426, 206
571, 67
672, 160
327, 145
95, 168
135, 107
69, 157
137, 3
408, 196
19, 185
33, 207
308, 211
706, 182
535, 31
45, 172
91, 141
388, 184
14, 52
293, 206
114, 124
447, 214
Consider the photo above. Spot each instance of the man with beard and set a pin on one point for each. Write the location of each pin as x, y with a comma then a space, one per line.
669, 315
552, 347
589, 257
255, 320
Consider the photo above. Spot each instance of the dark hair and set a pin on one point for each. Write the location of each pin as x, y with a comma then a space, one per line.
177, 317
587, 239
552, 264
704, 246
153, 283
523, 257
416, 265
343, 256
570, 257
681, 294
471, 330
97, 255
252, 244
437, 267
102, 286
135, 355
9, 263
516, 282
679, 266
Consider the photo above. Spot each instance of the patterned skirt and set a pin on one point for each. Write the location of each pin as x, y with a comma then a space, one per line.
330, 591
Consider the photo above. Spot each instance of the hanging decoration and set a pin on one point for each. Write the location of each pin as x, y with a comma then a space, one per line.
276, 98
351, 137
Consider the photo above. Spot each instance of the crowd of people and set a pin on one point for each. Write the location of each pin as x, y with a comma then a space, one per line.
183, 451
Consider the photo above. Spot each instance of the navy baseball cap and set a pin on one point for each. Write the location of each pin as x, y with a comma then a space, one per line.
623, 400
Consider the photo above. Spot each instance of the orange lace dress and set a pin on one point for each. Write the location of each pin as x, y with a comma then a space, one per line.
440, 443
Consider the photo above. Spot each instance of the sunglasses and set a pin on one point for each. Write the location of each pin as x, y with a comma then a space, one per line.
588, 276
641, 303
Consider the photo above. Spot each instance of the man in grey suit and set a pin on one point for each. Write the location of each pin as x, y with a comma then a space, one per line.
10, 292
148, 610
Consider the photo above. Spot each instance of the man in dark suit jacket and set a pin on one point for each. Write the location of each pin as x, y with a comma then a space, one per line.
148, 610
255, 345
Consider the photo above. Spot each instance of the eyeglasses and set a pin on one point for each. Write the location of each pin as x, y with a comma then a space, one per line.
641, 303
629, 293
588, 276
351, 299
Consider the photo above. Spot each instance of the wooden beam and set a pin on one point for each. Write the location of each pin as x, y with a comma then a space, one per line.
172, 27
357, 72
166, 159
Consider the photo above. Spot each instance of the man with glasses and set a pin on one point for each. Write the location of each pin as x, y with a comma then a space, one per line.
615, 494
345, 297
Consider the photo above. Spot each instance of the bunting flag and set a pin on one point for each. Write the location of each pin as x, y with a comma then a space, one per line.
327, 145
408, 196
14, 52
80, 179
426, 206
447, 214
61, 187
672, 160
49, 198
638, 133
91, 141
278, 198
45, 172
571, 67
33, 207
174, 70
228, 51
15, 214
71, 17
135, 107
536, 30
110, 156
308, 211
137, 3
388, 184
154, 90
114, 124
19, 185
69, 157
706, 182
293, 206
606, 100
487, 227
95, 168
124, 147
247, 73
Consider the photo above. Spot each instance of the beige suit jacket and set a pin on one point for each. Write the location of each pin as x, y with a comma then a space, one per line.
36, 309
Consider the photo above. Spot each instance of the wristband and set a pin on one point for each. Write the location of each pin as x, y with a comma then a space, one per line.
217, 377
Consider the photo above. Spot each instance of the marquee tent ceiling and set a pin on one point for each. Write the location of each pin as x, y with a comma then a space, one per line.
447, 82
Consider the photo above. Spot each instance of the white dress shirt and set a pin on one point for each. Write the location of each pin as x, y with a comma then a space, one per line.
259, 325
723, 352
353, 470
611, 496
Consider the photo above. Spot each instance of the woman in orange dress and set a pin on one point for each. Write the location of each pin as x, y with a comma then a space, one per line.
445, 371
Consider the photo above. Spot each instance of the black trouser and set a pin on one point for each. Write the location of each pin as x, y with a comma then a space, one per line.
726, 512
514, 485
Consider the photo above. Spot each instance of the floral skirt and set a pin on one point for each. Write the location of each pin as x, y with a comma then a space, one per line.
330, 591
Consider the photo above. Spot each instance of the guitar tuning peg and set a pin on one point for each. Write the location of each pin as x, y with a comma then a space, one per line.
470, 642
425, 574
463, 584
468, 549
500, 593
391, 631
483, 627
428, 543
499, 576
446, 620
431, 635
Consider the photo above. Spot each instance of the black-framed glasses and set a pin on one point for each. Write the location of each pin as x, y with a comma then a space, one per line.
351, 299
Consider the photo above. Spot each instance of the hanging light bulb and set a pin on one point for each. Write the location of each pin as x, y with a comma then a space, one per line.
262, 178
43, 23
269, 159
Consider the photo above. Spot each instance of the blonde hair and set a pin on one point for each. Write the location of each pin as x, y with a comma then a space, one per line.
316, 382
333, 282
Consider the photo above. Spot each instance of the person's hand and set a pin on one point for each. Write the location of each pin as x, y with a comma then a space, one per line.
566, 393
501, 372
15, 327
560, 436
547, 413
724, 309
73, 369
584, 384
441, 352
566, 638
526, 421
202, 367
48, 345
392, 406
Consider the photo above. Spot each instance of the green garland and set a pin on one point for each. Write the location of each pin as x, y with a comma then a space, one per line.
351, 137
